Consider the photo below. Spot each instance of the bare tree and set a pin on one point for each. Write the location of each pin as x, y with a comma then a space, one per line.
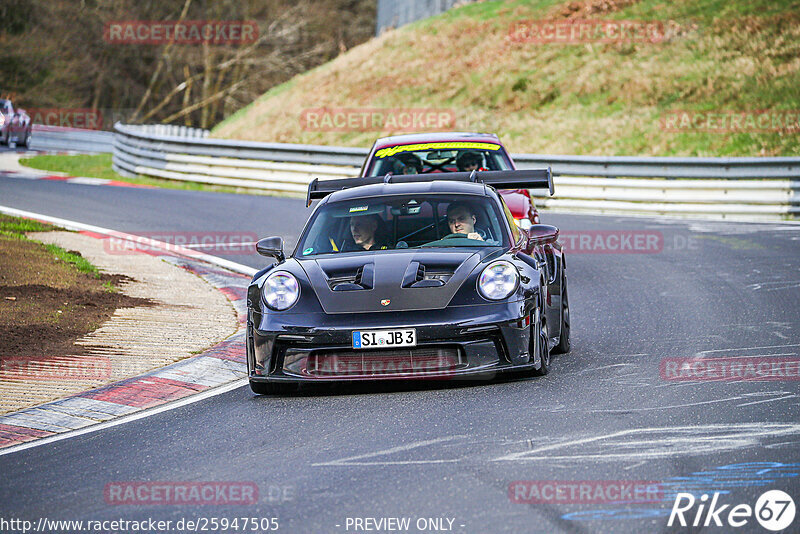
59, 56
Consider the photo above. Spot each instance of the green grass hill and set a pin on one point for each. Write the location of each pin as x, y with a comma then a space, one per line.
721, 58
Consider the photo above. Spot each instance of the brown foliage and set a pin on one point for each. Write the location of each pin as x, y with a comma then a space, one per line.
590, 8
57, 56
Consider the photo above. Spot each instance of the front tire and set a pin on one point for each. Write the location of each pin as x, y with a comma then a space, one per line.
26, 142
539, 344
563, 341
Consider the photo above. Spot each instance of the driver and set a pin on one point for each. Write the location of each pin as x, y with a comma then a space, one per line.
469, 161
408, 164
462, 220
364, 229
406, 168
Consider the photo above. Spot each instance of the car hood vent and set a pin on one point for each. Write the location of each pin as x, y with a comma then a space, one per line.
389, 281
418, 275
363, 278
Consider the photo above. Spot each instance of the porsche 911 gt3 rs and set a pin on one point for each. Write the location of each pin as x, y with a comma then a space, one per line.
401, 277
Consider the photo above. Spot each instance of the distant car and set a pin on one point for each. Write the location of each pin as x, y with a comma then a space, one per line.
448, 152
15, 125
400, 277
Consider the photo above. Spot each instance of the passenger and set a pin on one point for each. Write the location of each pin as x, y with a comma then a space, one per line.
366, 234
462, 220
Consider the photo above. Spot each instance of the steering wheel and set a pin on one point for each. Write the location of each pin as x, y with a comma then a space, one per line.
465, 236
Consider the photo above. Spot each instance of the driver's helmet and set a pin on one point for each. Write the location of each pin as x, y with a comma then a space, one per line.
468, 158
405, 163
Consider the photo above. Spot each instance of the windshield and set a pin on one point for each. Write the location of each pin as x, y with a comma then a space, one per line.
404, 221
422, 158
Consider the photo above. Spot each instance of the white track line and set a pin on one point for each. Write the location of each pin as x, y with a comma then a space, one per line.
351, 460
127, 418
73, 225
183, 251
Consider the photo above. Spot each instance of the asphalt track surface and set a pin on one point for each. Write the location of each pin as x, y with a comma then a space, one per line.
604, 413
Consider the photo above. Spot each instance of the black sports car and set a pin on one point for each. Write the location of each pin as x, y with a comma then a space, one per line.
401, 277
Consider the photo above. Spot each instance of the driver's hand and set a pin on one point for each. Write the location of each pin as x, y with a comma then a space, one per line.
474, 235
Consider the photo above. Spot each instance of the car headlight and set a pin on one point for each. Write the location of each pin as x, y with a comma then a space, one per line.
498, 280
280, 290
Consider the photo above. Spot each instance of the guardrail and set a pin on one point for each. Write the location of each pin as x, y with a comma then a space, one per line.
729, 188
58, 138
272, 166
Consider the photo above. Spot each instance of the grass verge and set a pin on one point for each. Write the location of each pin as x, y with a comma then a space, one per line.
99, 166
49, 296
15, 228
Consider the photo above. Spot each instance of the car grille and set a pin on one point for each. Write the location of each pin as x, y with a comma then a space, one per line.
417, 361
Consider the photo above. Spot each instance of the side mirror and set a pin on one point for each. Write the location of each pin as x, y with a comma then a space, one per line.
271, 247
542, 234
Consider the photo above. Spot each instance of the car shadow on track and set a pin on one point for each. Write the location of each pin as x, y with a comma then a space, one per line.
393, 386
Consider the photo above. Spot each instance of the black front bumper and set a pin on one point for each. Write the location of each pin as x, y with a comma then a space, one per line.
457, 342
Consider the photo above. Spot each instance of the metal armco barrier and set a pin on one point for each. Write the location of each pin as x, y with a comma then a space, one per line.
719, 188
57, 138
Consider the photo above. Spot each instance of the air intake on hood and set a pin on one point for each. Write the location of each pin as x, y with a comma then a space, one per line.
416, 276
363, 279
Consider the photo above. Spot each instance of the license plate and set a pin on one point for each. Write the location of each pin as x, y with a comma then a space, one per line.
384, 339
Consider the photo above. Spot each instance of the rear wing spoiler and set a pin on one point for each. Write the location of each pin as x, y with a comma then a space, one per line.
517, 179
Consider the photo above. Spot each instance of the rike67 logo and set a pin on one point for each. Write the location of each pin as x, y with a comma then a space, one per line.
774, 510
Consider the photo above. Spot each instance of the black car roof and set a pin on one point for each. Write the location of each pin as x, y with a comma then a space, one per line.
435, 186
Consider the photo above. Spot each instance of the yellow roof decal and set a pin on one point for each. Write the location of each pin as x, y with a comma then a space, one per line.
392, 150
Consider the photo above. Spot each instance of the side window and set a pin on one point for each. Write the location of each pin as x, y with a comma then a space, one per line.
510, 218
